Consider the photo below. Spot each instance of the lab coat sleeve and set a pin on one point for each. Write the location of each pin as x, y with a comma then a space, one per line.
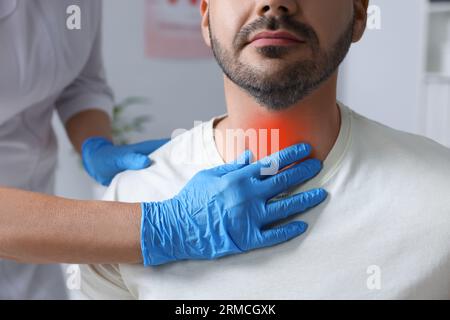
90, 89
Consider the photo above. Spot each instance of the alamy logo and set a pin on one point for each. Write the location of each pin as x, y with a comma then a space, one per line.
73, 21
264, 142
374, 278
374, 17
73, 279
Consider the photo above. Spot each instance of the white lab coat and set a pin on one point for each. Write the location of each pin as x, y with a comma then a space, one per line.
44, 66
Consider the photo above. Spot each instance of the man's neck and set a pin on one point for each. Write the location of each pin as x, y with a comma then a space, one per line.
314, 120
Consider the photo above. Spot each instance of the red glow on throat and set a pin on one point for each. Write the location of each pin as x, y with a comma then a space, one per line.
264, 137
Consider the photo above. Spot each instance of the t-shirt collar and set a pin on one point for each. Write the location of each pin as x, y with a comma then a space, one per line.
330, 166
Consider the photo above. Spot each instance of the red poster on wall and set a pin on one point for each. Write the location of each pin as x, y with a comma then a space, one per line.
173, 30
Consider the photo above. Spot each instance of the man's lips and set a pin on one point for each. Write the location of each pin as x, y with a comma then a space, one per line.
275, 39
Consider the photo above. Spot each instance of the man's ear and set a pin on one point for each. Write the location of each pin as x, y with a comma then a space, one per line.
204, 10
360, 23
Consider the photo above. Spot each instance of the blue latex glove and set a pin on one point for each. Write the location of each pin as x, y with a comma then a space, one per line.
103, 160
223, 211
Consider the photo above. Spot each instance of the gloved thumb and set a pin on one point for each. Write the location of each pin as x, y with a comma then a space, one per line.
133, 161
242, 161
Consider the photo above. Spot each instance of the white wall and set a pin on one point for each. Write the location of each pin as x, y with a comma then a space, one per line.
382, 74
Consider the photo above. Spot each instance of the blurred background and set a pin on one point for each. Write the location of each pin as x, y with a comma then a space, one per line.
399, 74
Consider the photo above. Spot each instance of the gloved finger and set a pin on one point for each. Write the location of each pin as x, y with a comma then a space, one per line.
282, 234
241, 162
277, 161
147, 147
133, 161
104, 181
291, 177
281, 209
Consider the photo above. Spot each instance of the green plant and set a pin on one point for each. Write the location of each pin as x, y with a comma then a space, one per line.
122, 126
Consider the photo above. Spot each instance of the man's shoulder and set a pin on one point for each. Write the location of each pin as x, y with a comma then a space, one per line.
407, 169
399, 146
171, 167
404, 164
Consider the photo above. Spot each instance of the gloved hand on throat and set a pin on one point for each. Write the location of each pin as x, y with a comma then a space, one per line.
103, 160
223, 211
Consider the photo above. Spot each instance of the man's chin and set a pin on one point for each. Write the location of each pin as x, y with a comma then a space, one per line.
272, 76
270, 67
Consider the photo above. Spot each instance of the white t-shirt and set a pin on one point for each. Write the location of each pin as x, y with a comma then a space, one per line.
383, 232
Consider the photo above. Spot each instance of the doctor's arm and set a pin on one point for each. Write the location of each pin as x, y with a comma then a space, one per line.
37, 228
90, 134
85, 107
221, 211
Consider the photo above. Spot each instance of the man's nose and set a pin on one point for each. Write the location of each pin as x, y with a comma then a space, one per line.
277, 7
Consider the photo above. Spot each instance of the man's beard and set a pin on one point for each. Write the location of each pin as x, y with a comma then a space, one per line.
290, 85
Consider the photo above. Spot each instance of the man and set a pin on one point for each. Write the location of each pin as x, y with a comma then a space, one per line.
49, 67
383, 231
